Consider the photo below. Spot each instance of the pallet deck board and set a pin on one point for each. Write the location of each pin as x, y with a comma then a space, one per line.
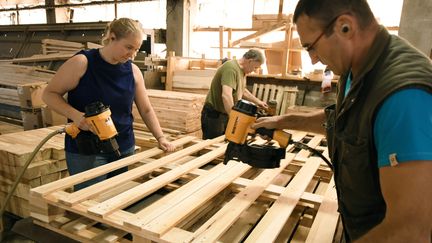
190, 196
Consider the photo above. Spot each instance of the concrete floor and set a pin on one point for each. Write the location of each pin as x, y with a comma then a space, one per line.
19, 230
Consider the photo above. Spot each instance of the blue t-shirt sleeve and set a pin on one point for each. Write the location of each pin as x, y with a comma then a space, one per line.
403, 127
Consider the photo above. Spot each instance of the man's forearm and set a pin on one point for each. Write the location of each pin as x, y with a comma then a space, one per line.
250, 97
228, 103
310, 122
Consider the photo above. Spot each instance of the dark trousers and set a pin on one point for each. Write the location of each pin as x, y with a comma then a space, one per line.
213, 122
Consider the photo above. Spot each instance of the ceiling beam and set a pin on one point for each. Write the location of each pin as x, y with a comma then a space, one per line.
70, 5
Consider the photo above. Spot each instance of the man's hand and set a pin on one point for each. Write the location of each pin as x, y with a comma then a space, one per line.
262, 104
269, 122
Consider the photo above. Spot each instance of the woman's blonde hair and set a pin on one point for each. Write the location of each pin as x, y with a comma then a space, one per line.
121, 28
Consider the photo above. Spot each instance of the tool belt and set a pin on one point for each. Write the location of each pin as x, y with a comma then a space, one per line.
211, 112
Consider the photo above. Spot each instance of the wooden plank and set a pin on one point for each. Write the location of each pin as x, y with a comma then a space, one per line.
265, 97
260, 91
189, 198
255, 89
62, 43
91, 191
101, 170
324, 225
266, 30
149, 187
224, 218
304, 154
271, 224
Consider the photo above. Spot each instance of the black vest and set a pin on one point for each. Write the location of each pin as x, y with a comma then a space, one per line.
392, 64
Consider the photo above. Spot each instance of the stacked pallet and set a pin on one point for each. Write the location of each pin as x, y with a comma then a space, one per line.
48, 165
176, 110
190, 196
285, 96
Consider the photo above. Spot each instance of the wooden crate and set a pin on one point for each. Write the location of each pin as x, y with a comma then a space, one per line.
190, 196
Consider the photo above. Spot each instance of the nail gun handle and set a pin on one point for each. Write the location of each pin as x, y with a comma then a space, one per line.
72, 130
283, 138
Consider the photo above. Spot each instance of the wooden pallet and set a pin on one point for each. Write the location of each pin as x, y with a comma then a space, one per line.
190, 196
285, 96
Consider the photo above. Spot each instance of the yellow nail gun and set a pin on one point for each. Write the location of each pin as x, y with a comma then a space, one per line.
241, 117
103, 140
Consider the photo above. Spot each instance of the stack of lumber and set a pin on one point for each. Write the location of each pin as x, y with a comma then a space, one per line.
7, 127
61, 46
285, 96
190, 196
194, 81
145, 139
176, 110
48, 165
188, 74
56, 50
15, 76
260, 21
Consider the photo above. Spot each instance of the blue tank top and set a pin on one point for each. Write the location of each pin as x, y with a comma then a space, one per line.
113, 85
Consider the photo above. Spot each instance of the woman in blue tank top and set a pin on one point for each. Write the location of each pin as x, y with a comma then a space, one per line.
104, 75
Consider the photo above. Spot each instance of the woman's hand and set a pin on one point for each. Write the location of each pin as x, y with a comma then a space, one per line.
165, 145
80, 121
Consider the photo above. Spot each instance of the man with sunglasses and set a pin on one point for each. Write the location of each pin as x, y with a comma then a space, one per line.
380, 130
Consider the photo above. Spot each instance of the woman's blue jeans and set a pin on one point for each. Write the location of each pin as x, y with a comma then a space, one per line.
77, 163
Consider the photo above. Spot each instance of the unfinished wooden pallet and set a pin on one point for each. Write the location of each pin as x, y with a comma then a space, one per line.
190, 196
285, 96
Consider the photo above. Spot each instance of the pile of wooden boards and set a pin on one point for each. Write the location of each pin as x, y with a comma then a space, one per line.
177, 111
192, 75
195, 81
19, 88
56, 50
285, 96
48, 165
60, 46
190, 196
